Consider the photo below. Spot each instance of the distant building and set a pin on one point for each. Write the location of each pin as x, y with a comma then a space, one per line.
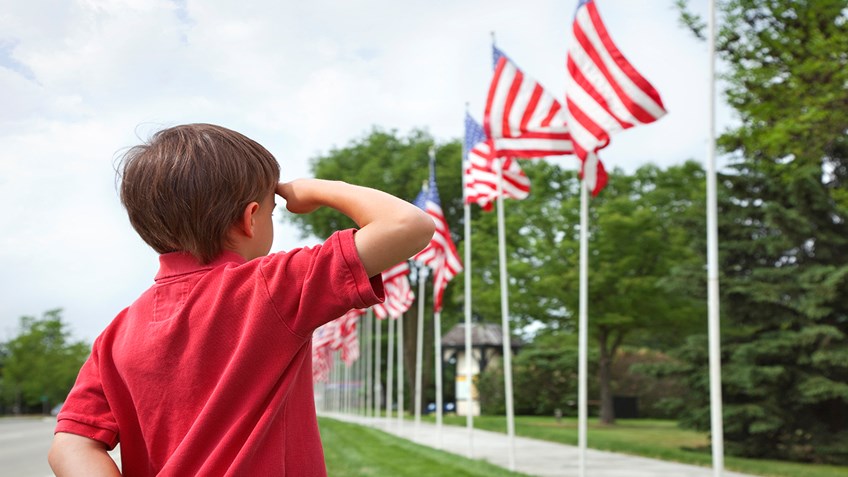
486, 348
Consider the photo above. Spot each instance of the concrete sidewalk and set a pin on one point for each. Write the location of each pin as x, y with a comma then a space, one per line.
532, 456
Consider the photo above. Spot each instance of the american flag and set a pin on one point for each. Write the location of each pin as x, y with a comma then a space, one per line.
604, 93
521, 118
398, 292
440, 254
321, 352
337, 335
481, 179
348, 335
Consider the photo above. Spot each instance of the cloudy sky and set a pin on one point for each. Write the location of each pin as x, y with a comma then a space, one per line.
81, 80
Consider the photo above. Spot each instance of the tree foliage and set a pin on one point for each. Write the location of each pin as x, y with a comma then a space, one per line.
544, 378
783, 234
41, 363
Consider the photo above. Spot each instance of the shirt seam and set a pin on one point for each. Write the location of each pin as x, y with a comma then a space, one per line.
274, 306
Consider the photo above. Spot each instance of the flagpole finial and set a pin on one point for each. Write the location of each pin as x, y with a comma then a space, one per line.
432, 152
493, 37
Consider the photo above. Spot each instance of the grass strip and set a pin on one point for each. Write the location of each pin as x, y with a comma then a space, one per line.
358, 451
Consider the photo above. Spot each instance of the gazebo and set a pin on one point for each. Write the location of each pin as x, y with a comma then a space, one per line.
486, 347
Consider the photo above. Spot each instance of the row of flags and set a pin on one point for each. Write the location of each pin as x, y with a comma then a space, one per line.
341, 334
604, 94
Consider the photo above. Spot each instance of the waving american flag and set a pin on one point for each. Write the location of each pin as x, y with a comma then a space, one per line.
481, 179
399, 295
604, 92
521, 117
440, 254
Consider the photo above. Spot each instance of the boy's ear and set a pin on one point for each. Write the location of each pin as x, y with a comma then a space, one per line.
246, 222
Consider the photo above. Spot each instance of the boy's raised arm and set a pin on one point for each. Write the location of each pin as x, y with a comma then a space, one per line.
73, 455
390, 229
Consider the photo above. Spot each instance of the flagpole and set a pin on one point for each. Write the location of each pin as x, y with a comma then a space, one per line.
337, 401
507, 344
583, 330
469, 410
378, 381
419, 343
360, 361
346, 405
714, 332
390, 371
400, 376
437, 329
369, 360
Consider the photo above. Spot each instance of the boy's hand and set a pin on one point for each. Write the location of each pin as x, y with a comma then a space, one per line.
297, 195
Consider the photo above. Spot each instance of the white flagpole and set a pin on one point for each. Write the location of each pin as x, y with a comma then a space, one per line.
346, 387
400, 375
378, 381
469, 417
507, 342
583, 330
369, 360
716, 424
419, 343
337, 397
358, 376
390, 372
437, 328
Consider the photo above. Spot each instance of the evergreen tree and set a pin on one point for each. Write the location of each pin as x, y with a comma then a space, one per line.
783, 234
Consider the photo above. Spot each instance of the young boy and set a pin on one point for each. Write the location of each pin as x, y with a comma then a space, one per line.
208, 372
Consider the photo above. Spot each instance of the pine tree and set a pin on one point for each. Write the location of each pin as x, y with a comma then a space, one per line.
783, 234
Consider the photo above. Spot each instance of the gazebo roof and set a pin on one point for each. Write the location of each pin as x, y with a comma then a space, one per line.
482, 335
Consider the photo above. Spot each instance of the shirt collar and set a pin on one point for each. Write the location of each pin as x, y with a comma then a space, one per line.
181, 263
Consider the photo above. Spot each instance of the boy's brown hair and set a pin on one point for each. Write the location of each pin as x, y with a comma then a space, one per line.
189, 184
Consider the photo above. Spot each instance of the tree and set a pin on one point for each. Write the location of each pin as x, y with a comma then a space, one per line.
783, 232
40, 363
638, 241
544, 376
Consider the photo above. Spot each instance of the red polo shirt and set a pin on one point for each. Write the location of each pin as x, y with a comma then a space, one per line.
209, 371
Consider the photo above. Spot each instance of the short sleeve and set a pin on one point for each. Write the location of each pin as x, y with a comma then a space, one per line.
311, 286
86, 411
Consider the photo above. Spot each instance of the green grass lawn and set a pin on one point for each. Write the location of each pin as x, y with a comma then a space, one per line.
659, 439
352, 450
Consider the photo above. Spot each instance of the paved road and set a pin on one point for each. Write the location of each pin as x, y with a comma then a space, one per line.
24, 442
532, 456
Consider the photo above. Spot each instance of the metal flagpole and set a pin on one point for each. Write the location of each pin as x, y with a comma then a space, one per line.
507, 345
337, 397
369, 359
400, 375
378, 380
469, 416
583, 329
714, 332
346, 394
361, 364
437, 328
390, 371
357, 371
419, 343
